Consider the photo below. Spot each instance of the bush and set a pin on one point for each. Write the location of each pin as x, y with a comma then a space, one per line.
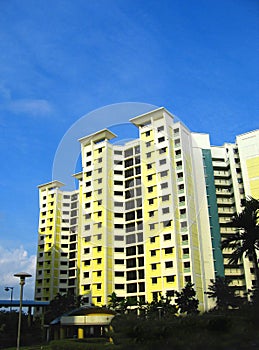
80, 344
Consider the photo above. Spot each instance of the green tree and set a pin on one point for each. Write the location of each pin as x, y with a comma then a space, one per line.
186, 300
161, 308
223, 293
245, 240
61, 304
113, 301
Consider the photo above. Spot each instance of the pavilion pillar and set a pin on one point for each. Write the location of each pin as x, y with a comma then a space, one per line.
80, 332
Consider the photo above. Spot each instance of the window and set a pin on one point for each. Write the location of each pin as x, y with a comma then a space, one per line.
154, 280
163, 173
186, 264
182, 199
168, 264
88, 163
148, 133
99, 299
162, 161
131, 263
119, 273
98, 286
183, 224
118, 152
116, 182
148, 144
165, 198
149, 177
149, 166
164, 185
141, 274
119, 286
151, 201
162, 150
131, 275
128, 162
118, 193
128, 152
118, 238
177, 142
130, 251
137, 149
186, 251
153, 252
151, 213
153, 266
148, 154
118, 204
160, 128
129, 173
138, 191
169, 278
86, 250
165, 210
119, 261
100, 160
151, 226
119, 250
86, 274
152, 239
161, 139
100, 181
167, 236
167, 223
88, 154
150, 189
118, 226
99, 170
169, 250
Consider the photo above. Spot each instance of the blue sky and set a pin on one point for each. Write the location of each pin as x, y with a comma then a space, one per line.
63, 59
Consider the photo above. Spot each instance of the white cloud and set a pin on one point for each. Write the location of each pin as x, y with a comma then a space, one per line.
13, 261
33, 107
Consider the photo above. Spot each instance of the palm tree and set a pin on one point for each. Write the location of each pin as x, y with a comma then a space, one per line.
245, 241
223, 293
113, 303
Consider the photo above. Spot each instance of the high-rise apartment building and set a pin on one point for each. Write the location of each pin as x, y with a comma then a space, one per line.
148, 216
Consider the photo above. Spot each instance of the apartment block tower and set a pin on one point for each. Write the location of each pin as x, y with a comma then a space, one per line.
148, 215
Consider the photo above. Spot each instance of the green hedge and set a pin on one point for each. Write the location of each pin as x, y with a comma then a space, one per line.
76, 344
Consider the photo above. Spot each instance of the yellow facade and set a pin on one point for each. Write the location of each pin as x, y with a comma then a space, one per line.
133, 226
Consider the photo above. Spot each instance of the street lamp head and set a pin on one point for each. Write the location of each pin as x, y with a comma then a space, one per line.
22, 276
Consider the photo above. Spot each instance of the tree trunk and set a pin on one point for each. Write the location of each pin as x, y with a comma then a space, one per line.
256, 268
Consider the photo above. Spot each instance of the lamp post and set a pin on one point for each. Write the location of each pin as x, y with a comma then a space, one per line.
159, 308
7, 290
22, 276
